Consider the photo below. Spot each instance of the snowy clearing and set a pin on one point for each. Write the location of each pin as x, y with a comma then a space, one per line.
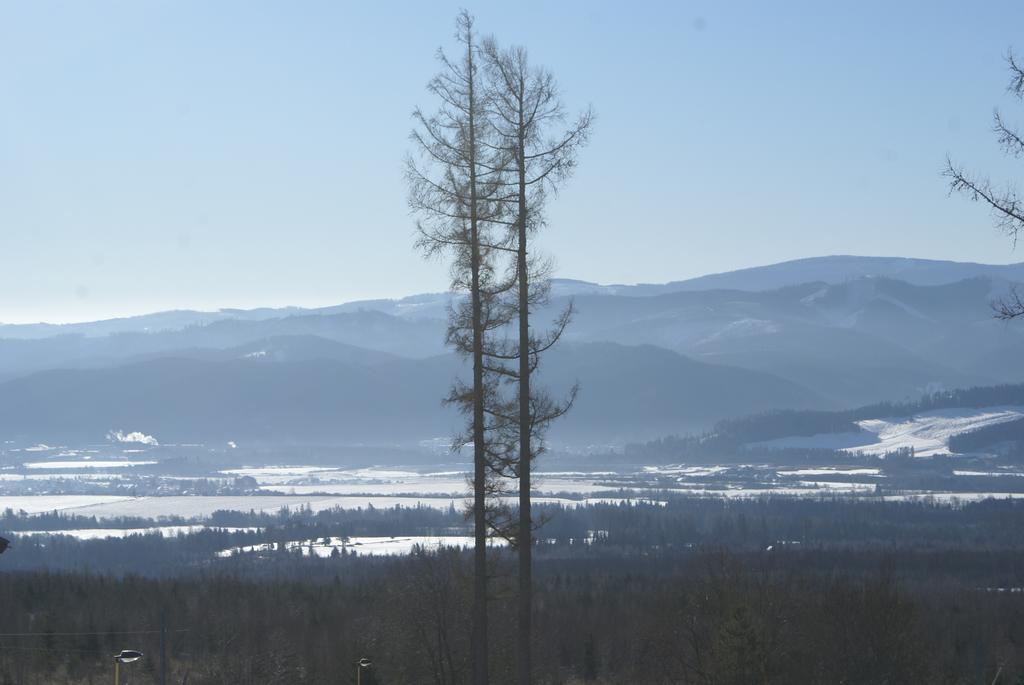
681, 470
288, 471
199, 506
927, 433
361, 546
86, 464
452, 487
952, 497
37, 504
309, 480
828, 471
105, 533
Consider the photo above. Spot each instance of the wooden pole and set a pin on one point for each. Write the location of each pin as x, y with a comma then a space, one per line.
163, 647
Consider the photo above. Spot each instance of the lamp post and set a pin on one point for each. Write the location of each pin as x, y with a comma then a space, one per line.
360, 665
126, 656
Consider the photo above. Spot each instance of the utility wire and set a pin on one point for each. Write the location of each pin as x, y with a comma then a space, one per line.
62, 650
44, 634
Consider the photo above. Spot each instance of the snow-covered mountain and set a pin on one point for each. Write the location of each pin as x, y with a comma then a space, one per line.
853, 335
837, 269
830, 270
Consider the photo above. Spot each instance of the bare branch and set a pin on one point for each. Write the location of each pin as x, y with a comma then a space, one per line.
1006, 205
1010, 306
1016, 75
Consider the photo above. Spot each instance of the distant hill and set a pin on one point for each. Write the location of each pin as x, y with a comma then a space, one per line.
628, 393
834, 270
846, 330
830, 270
982, 419
373, 332
855, 342
281, 348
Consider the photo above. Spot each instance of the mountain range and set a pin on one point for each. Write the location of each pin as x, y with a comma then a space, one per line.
825, 333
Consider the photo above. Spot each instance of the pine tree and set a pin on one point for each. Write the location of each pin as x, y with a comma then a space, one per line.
454, 189
539, 152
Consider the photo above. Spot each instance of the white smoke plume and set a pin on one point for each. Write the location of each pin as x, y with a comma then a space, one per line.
133, 437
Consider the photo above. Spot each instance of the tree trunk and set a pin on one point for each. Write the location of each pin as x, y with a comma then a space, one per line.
479, 454
525, 427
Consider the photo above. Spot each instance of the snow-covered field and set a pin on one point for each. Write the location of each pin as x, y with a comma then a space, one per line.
953, 497
267, 474
430, 485
48, 476
308, 480
443, 485
830, 471
927, 433
104, 533
87, 464
37, 504
361, 546
683, 470
810, 489
198, 506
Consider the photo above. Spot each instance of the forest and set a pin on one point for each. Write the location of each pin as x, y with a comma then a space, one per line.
695, 591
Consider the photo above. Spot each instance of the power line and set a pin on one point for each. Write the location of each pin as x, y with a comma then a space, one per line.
105, 632
61, 650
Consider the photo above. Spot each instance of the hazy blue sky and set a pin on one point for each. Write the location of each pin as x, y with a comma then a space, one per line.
177, 154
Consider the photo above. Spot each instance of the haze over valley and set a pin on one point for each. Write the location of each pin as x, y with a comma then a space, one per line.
652, 360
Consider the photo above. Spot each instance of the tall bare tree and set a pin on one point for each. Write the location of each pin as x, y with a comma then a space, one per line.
538, 149
455, 189
1006, 205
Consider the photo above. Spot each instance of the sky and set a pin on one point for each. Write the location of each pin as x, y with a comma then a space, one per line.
193, 154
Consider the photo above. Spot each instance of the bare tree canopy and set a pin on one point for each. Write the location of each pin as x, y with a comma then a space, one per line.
487, 160
1005, 203
539, 151
455, 191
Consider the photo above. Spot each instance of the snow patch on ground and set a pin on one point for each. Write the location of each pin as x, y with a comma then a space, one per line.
86, 464
742, 328
105, 533
952, 498
360, 546
200, 506
827, 471
927, 433
691, 471
311, 480
38, 504
289, 471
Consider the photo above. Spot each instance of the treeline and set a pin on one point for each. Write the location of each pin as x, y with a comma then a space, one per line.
370, 516
975, 398
664, 535
1011, 432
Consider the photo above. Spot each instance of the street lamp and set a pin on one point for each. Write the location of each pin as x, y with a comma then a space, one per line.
126, 656
360, 665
